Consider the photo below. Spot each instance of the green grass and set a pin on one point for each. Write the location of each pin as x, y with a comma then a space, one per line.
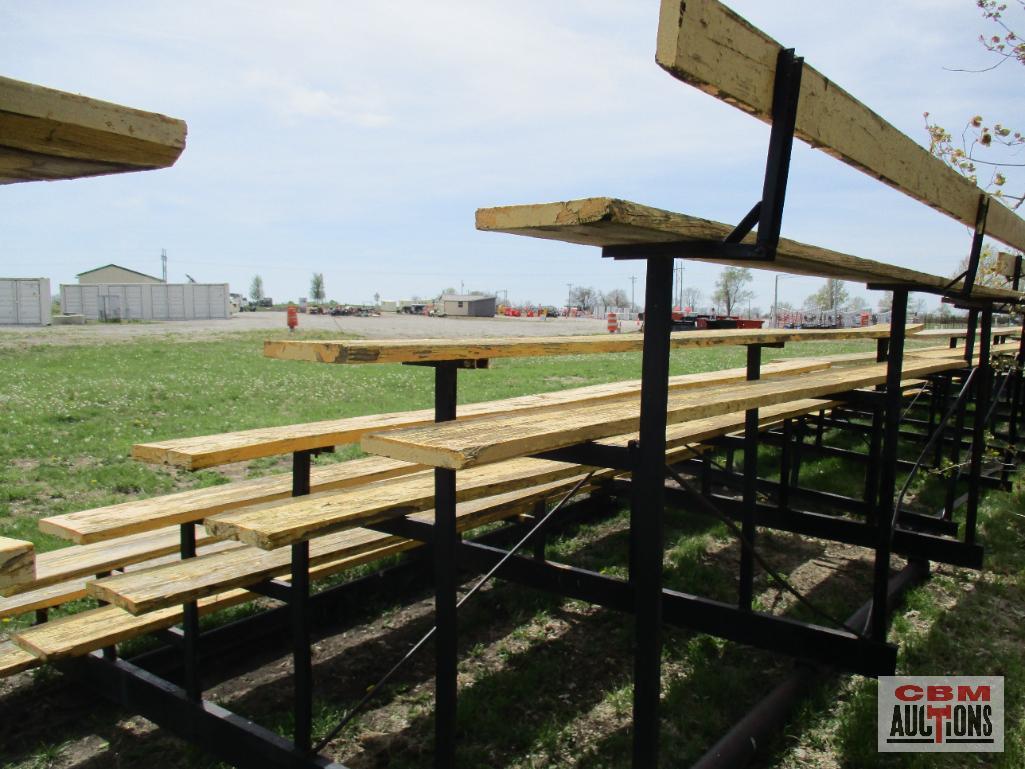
548, 680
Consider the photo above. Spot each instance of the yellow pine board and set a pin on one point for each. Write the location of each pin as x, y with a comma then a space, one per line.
699, 430
143, 591
610, 222
143, 515
175, 583
481, 442
43, 598
17, 562
78, 634
961, 333
709, 46
282, 524
423, 350
15, 660
47, 134
55, 594
88, 560
62, 592
210, 450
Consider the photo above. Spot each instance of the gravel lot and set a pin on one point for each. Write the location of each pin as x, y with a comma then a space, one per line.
388, 326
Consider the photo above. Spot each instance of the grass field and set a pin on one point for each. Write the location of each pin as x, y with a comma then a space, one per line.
545, 682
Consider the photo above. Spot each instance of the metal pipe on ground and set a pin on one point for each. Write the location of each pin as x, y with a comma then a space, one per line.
741, 743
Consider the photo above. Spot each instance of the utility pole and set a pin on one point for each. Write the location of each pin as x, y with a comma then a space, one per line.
678, 282
569, 297
633, 279
775, 304
163, 262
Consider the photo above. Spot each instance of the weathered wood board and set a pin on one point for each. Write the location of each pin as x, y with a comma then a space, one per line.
127, 518
961, 333
613, 222
480, 442
707, 45
211, 450
17, 562
57, 593
15, 660
277, 525
78, 634
423, 350
181, 581
88, 560
47, 134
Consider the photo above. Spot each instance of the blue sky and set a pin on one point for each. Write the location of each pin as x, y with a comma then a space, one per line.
357, 139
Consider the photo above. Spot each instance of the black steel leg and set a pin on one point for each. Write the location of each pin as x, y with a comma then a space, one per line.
888, 470
190, 623
785, 461
646, 512
746, 591
982, 391
299, 599
955, 460
795, 471
302, 659
872, 468
445, 583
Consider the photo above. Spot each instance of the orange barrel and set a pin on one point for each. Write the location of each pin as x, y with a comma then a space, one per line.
613, 323
293, 317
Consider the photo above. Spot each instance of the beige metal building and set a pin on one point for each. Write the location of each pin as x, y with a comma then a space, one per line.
476, 305
113, 273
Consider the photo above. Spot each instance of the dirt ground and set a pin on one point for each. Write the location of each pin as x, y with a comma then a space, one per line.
387, 326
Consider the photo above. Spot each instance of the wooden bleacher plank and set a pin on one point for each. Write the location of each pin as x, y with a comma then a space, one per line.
161, 586
89, 560
961, 333
14, 659
303, 522
480, 442
17, 561
47, 134
707, 45
698, 430
610, 222
55, 594
156, 588
273, 526
81, 633
87, 631
347, 351
143, 515
43, 597
212, 450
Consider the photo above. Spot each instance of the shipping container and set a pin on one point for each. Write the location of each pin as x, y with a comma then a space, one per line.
147, 301
25, 301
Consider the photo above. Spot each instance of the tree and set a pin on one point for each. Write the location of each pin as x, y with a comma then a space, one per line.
617, 297
979, 140
988, 274
886, 301
832, 296
584, 297
317, 287
256, 289
731, 289
692, 297
377, 299
856, 303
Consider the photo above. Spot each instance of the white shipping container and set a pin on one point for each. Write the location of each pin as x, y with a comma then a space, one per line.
147, 301
25, 301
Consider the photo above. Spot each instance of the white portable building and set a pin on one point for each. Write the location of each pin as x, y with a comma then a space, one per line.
147, 301
25, 301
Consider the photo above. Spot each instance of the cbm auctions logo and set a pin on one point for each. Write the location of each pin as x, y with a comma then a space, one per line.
941, 714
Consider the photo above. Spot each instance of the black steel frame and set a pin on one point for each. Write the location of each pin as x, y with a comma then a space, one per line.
183, 709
